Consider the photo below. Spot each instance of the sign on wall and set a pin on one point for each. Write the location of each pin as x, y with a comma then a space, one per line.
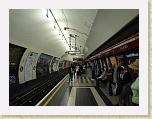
43, 65
30, 66
54, 64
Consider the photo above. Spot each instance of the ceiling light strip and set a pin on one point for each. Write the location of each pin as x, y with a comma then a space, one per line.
58, 26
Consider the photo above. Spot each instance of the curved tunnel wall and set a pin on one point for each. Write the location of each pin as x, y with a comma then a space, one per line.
15, 56
32, 65
33, 74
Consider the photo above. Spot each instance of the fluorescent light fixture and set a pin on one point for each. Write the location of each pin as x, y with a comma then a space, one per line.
72, 49
73, 52
80, 54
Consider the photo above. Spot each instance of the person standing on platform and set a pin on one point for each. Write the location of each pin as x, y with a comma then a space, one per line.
135, 85
123, 89
113, 81
93, 71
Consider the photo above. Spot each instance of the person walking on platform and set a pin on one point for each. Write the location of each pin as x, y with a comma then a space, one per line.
79, 71
74, 70
71, 73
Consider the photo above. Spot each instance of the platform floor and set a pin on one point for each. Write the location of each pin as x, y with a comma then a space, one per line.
82, 91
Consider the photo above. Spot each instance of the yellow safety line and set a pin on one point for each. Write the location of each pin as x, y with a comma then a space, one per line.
45, 104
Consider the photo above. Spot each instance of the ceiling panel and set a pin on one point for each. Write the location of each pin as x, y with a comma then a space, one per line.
32, 29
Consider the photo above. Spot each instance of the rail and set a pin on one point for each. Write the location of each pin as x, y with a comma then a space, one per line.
36, 93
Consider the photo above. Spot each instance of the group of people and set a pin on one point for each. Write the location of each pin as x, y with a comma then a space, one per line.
76, 69
124, 82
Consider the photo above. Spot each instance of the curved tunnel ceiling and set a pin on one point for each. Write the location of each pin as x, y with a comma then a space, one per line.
106, 24
33, 30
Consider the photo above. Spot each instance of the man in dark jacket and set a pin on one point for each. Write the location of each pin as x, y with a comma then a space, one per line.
124, 82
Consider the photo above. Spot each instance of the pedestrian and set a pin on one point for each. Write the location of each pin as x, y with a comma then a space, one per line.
123, 85
71, 72
135, 85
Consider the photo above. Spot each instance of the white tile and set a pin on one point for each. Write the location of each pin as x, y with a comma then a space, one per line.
97, 97
72, 97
